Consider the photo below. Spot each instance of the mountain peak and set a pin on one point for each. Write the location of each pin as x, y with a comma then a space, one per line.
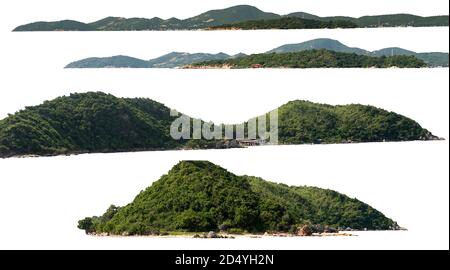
195, 163
317, 44
243, 7
230, 15
189, 168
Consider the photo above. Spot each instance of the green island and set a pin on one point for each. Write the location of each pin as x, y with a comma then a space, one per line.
199, 196
180, 59
243, 16
95, 122
313, 59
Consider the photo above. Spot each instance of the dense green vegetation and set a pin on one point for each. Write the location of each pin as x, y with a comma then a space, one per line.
96, 122
286, 23
315, 59
89, 122
200, 196
232, 15
307, 122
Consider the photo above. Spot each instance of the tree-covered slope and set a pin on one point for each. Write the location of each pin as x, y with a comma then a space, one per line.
200, 196
307, 122
229, 15
313, 59
232, 15
88, 122
312, 205
96, 122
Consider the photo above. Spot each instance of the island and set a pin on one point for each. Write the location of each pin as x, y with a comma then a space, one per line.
96, 122
203, 198
238, 17
184, 59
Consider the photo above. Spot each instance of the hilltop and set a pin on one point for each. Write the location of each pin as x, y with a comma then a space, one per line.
88, 122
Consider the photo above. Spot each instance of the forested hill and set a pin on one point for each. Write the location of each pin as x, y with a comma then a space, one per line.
313, 59
199, 196
88, 122
96, 122
308, 122
232, 15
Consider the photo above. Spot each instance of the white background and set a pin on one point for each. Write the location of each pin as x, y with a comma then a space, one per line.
42, 199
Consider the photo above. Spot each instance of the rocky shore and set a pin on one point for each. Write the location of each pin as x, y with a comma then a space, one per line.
301, 231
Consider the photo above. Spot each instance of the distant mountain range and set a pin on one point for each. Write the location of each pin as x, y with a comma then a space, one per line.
227, 16
180, 59
96, 122
171, 60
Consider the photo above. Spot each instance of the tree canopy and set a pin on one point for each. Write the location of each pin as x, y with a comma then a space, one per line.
198, 196
315, 59
96, 122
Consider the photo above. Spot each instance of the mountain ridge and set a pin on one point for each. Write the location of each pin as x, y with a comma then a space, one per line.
95, 122
217, 17
433, 59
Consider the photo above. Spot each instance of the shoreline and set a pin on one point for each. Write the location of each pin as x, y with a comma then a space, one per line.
228, 236
24, 156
